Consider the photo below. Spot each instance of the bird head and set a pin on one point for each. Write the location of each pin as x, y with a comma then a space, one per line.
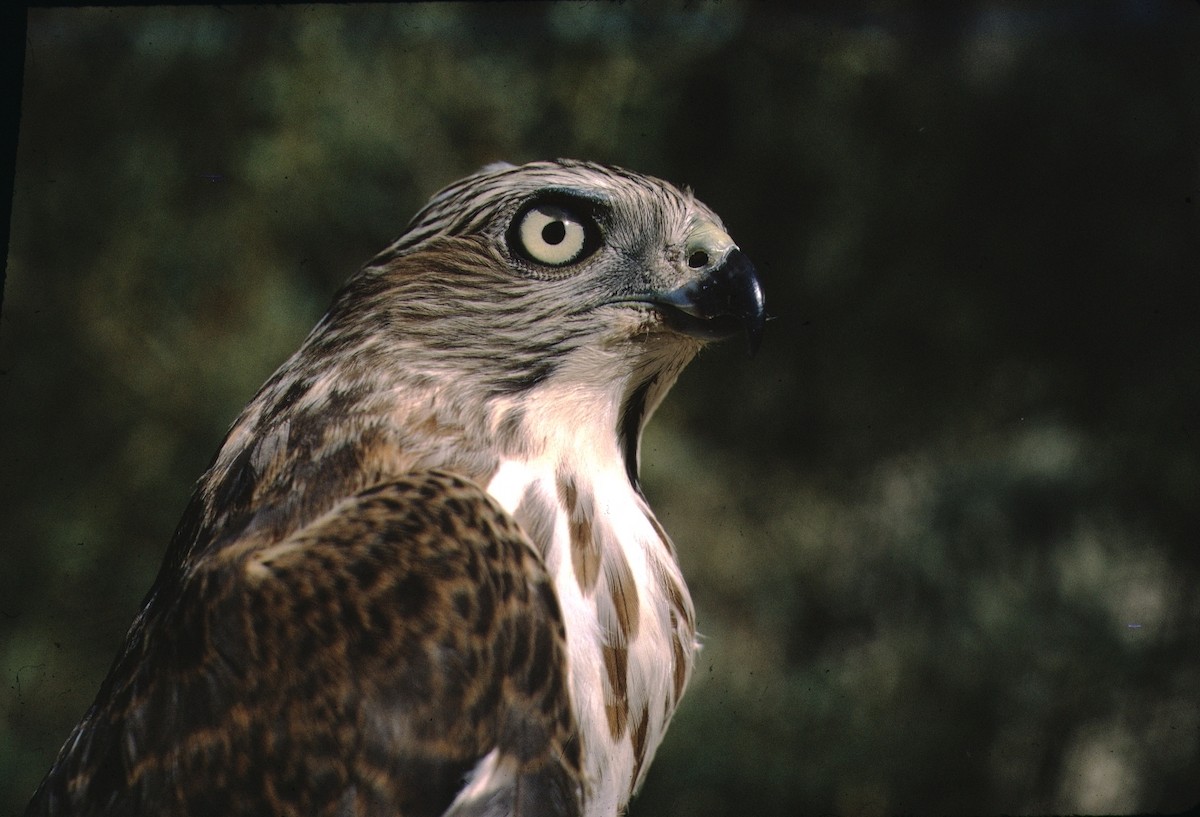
562, 287
561, 255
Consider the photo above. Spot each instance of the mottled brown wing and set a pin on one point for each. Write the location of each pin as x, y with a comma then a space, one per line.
364, 665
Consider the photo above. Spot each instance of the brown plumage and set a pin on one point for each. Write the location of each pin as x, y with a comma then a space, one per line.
419, 577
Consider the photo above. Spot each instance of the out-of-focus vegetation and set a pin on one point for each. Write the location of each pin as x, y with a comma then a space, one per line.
942, 532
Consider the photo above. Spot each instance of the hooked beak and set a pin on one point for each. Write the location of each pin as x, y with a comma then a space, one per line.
724, 301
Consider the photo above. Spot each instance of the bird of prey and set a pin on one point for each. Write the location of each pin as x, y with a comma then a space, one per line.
420, 576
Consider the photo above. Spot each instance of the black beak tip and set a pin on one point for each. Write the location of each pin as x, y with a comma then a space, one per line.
724, 301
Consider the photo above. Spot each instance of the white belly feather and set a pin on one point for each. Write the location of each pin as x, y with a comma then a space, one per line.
661, 648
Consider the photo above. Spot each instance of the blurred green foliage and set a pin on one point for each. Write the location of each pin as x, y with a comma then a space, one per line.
942, 532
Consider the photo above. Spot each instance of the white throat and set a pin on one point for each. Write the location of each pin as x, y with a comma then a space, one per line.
629, 619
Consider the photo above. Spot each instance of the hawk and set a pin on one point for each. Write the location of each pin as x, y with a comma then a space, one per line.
420, 576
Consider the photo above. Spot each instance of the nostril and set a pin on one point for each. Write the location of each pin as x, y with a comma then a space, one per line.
698, 259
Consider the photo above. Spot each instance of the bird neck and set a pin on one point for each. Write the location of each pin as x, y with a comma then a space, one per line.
574, 491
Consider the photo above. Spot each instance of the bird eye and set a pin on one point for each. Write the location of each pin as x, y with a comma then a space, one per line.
552, 235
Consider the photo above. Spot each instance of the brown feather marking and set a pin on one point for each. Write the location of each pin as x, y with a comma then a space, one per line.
623, 592
675, 597
616, 664
567, 493
683, 628
638, 735
678, 659
585, 556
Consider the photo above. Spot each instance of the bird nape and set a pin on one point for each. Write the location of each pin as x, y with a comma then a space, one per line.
420, 576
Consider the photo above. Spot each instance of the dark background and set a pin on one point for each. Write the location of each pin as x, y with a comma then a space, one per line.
942, 532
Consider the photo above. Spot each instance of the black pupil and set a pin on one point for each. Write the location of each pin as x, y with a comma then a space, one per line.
697, 259
554, 232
